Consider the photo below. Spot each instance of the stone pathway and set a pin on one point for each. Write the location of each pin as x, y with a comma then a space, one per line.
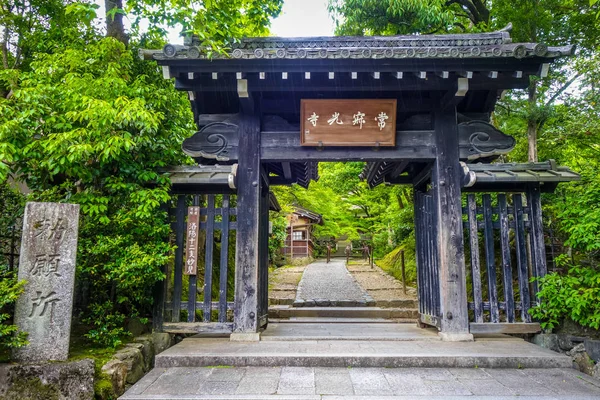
325, 284
304, 383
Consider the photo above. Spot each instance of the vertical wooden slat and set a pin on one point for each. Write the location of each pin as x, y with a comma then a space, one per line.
434, 266
427, 240
263, 257
490, 258
178, 272
208, 252
475, 262
191, 306
160, 288
521, 257
428, 254
538, 247
224, 261
419, 244
506, 265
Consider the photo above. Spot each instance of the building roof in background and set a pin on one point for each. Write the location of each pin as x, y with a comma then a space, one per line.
304, 212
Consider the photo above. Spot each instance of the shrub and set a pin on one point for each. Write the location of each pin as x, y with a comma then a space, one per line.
575, 295
10, 289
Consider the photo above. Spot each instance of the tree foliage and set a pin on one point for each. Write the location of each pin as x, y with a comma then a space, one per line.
217, 23
83, 120
11, 205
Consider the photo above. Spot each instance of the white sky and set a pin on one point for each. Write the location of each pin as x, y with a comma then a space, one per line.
303, 18
297, 18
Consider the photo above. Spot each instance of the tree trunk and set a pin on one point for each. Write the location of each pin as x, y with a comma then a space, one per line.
114, 24
532, 123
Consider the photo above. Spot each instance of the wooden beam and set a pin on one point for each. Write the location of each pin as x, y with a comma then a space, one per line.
285, 146
420, 178
456, 95
528, 66
247, 235
198, 327
346, 83
504, 327
287, 170
446, 182
399, 168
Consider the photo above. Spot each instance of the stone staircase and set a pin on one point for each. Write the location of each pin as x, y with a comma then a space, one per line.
408, 314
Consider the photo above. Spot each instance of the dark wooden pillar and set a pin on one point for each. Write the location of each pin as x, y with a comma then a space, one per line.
446, 184
247, 260
538, 247
263, 248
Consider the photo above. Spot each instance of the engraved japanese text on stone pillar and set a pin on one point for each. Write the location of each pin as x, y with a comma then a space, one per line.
47, 263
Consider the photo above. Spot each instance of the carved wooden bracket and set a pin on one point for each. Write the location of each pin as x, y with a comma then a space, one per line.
215, 141
478, 139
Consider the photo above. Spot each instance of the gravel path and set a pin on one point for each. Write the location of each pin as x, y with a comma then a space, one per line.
329, 281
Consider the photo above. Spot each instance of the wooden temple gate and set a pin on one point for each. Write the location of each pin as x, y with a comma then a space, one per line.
416, 109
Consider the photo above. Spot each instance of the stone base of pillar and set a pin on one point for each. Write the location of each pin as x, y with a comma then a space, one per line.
244, 337
456, 337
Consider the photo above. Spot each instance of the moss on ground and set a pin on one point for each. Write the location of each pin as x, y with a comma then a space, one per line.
82, 348
391, 264
103, 388
31, 389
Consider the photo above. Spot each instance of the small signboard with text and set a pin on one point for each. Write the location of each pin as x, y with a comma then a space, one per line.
191, 253
348, 122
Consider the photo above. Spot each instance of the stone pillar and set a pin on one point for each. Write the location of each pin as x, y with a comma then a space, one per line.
47, 263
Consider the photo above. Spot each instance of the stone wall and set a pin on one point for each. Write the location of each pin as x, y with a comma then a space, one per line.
49, 381
585, 352
131, 363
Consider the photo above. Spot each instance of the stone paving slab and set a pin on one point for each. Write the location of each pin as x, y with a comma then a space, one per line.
485, 353
286, 383
354, 331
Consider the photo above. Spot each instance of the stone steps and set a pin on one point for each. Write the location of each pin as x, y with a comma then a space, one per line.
395, 303
322, 320
281, 312
427, 351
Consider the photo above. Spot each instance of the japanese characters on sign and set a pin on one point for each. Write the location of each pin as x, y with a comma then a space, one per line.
47, 264
191, 248
348, 122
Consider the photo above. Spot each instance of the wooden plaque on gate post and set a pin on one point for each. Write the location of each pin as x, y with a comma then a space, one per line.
348, 122
191, 244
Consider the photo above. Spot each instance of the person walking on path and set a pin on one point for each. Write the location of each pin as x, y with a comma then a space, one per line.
328, 252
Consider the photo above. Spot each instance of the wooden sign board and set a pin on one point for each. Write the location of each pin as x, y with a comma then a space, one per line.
348, 122
191, 245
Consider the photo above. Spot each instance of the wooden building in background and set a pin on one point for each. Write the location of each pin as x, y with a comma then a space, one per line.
300, 241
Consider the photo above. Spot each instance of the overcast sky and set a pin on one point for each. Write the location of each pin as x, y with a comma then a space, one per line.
298, 18
303, 18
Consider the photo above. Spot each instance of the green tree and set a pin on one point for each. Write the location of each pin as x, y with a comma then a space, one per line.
84, 121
